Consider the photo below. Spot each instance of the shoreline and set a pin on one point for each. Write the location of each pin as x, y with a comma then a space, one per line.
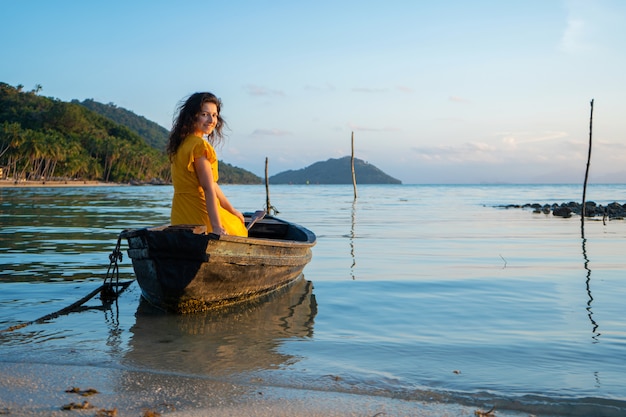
38, 389
72, 183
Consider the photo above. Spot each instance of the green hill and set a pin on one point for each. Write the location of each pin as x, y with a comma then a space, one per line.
45, 138
335, 171
154, 134
234, 175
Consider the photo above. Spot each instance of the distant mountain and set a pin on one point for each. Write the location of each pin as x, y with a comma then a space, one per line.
154, 134
335, 171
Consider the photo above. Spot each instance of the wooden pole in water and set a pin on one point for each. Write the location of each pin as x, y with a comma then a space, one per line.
267, 190
352, 164
583, 212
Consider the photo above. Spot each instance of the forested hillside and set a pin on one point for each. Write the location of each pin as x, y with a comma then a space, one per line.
154, 134
45, 138
233, 175
42, 138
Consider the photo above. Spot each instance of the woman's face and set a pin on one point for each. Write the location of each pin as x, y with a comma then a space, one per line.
206, 120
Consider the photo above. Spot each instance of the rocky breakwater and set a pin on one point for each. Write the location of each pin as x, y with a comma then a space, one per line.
615, 211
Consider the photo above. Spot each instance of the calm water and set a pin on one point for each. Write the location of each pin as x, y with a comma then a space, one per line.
418, 292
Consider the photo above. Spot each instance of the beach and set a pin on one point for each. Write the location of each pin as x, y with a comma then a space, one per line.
33, 390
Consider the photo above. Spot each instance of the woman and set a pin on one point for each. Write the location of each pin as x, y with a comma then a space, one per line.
198, 198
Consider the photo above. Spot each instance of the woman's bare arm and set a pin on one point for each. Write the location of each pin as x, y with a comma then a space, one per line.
211, 193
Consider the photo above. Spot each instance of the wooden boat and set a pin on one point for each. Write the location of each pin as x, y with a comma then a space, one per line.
184, 269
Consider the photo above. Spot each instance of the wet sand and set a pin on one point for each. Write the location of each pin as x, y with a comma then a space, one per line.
40, 390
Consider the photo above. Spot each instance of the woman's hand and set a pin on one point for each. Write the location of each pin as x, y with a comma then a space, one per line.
219, 230
239, 215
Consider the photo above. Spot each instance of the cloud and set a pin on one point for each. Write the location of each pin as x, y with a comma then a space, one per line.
323, 88
469, 151
405, 89
514, 139
373, 90
270, 132
613, 146
611, 153
373, 129
593, 26
369, 90
510, 148
256, 90
572, 40
457, 99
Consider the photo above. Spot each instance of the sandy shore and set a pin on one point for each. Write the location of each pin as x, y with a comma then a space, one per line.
40, 390
25, 184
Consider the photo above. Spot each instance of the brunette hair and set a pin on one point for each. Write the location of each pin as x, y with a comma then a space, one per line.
184, 123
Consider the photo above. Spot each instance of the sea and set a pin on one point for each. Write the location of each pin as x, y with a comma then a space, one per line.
443, 293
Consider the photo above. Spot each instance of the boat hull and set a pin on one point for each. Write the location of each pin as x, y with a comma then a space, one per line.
183, 269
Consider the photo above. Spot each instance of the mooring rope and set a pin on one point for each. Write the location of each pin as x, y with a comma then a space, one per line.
108, 294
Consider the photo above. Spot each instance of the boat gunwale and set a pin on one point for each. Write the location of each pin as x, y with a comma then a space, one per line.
310, 241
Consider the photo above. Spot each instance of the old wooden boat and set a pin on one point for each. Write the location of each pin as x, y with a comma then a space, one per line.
184, 269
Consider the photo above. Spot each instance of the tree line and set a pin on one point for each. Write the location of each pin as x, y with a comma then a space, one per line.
43, 138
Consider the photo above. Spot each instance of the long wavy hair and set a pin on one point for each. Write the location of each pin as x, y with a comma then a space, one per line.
188, 111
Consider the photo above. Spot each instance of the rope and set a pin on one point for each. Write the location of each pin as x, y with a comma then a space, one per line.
107, 292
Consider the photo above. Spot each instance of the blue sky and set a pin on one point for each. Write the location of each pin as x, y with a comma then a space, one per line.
435, 92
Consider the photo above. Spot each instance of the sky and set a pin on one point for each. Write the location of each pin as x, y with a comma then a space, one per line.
435, 92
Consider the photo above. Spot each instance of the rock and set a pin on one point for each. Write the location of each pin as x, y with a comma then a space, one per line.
613, 210
562, 212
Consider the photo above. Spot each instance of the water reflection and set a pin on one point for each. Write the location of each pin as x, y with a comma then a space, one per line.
353, 215
62, 234
114, 340
594, 324
237, 339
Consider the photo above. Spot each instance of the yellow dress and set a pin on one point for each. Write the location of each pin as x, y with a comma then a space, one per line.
189, 204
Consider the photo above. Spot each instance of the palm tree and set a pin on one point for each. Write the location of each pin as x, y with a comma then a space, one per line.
9, 136
33, 148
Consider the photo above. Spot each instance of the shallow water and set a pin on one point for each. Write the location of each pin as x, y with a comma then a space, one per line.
418, 292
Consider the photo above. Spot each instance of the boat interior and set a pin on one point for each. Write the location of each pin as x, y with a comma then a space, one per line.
272, 228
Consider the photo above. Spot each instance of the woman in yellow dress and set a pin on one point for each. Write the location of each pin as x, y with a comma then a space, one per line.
198, 198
